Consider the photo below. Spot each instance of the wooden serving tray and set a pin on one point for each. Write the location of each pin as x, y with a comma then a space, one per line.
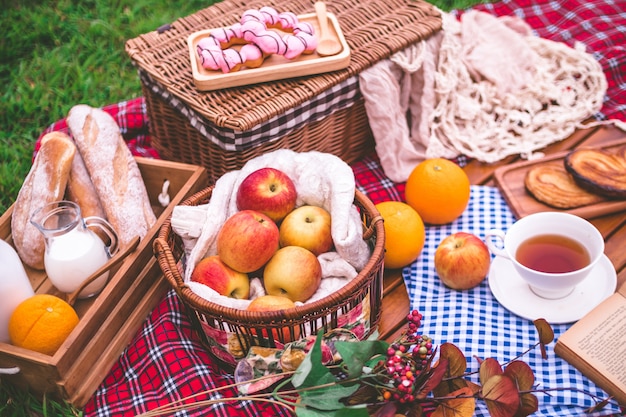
510, 180
109, 320
275, 67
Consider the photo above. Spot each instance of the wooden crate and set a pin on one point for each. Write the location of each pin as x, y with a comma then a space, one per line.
109, 320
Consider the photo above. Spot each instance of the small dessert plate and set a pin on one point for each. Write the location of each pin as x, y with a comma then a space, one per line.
516, 296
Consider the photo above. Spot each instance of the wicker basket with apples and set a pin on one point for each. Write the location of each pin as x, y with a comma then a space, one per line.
264, 261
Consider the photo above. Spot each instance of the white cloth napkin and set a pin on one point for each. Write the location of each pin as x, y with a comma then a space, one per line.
321, 179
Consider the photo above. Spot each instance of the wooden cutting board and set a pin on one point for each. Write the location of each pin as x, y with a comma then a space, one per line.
510, 180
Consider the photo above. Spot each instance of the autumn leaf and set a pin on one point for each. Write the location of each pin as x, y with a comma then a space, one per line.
456, 359
434, 378
488, 368
521, 374
455, 365
501, 396
546, 335
457, 407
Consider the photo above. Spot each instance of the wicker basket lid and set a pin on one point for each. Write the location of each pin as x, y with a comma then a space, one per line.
374, 30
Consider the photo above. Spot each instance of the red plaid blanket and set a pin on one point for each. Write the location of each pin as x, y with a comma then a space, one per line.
166, 362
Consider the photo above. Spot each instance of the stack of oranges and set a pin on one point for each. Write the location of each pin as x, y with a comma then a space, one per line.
437, 192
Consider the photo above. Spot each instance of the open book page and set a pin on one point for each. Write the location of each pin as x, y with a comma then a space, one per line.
596, 345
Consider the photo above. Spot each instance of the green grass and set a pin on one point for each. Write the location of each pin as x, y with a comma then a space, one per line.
54, 55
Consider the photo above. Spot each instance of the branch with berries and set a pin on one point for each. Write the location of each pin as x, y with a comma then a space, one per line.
407, 377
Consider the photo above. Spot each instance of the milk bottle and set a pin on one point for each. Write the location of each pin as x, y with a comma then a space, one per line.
15, 286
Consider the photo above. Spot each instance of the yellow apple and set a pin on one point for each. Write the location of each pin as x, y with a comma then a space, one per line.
293, 272
308, 227
269, 191
214, 273
462, 261
267, 303
247, 240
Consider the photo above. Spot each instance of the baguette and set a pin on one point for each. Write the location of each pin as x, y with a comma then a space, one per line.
45, 183
113, 171
80, 188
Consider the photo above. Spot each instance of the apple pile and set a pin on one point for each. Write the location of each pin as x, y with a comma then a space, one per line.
270, 238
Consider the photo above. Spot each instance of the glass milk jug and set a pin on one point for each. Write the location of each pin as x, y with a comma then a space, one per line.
15, 286
73, 251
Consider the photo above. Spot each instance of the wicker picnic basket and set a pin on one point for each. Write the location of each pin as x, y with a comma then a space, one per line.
228, 333
198, 127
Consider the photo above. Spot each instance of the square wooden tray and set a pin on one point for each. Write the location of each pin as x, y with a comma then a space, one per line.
510, 180
274, 67
109, 320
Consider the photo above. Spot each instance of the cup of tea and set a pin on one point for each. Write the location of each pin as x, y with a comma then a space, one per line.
551, 251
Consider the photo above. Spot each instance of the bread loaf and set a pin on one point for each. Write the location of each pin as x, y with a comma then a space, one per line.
80, 188
45, 183
554, 186
113, 171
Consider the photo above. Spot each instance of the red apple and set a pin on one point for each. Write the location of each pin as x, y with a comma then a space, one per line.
462, 261
293, 272
308, 227
269, 191
247, 240
266, 303
214, 273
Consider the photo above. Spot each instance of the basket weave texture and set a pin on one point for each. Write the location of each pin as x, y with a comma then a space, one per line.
374, 30
228, 333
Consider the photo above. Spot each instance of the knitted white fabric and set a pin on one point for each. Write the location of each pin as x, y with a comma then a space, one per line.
484, 87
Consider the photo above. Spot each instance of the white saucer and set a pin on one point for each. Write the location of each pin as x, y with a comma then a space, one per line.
516, 296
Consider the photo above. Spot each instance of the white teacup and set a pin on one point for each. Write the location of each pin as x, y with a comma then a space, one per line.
558, 282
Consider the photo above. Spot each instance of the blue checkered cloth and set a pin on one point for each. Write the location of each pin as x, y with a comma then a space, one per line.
475, 322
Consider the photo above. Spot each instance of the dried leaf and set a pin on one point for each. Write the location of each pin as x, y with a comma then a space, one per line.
488, 368
457, 407
522, 375
455, 365
546, 335
528, 405
501, 396
389, 409
599, 406
434, 378
365, 394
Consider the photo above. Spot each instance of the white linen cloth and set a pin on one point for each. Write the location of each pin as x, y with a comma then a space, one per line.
321, 179
484, 87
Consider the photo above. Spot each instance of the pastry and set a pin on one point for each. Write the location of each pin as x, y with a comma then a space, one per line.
599, 171
554, 186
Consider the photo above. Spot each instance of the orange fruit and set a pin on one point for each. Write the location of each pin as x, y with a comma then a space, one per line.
42, 323
439, 190
404, 233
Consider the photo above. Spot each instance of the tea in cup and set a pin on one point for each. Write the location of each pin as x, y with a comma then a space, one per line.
551, 251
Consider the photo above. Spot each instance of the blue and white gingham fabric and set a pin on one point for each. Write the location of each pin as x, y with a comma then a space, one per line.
475, 321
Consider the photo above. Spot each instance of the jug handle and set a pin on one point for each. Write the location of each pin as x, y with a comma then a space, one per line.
114, 260
107, 229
